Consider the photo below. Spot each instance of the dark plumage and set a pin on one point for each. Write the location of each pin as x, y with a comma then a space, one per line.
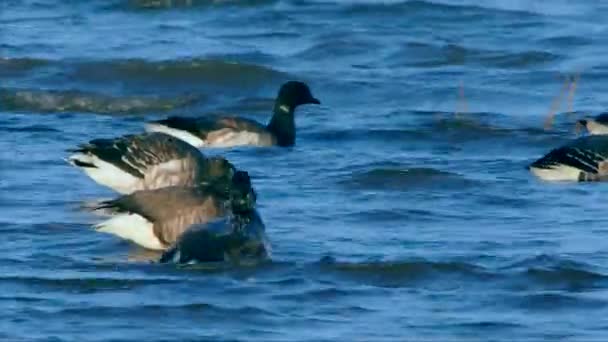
584, 159
155, 219
238, 238
236, 131
147, 161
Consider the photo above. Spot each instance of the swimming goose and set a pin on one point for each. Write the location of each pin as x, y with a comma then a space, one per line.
236, 131
147, 161
596, 125
584, 159
155, 219
237, 238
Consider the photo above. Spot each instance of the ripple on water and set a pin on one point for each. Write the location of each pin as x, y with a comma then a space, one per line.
404, 178
41, 101
402, 273
143, 5
186, 71
555, 272
17, 66
419, 54
130, 76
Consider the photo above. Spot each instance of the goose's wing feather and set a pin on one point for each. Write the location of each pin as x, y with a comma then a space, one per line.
212, 131
171, 210
203, 127
196, 126
160, 159
240, 124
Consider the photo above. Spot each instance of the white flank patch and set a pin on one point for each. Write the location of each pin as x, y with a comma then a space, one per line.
178, 133
132, 227
232, 138
107, 174
596, 128
557, 173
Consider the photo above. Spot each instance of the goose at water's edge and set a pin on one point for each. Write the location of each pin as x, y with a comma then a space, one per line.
584, 159
236, 131
147, 161
155, 219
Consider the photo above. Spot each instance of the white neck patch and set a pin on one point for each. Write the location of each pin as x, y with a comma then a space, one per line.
284, 108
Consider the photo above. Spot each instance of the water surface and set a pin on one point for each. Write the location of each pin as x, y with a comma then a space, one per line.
404, 212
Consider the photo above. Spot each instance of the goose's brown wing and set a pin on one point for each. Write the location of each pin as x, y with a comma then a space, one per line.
171, 210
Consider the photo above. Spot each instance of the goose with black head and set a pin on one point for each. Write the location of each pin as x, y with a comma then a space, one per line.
237, 131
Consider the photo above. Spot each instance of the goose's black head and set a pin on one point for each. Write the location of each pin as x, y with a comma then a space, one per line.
293, 94
242, 196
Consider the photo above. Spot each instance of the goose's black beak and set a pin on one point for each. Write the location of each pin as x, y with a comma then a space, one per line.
314, 101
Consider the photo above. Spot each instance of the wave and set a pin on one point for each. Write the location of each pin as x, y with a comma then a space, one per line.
378, 216
377, 134
401, 273
49, 101
84, 284
438, 127
567, 41
14, 66
516, 60
488, 325
340, 47
555, 301
434, 55
463, 127
171, 4
194, 71
146, 312
464, 9
29, 129
558, 274
396, 7
403, 178
140, 76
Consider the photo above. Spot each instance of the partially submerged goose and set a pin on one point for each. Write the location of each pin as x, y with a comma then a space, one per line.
147, 161
596, 125
237, 238
155, 219
584, 159
236, 131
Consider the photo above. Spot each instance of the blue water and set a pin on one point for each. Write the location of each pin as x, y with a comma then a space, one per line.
404, 212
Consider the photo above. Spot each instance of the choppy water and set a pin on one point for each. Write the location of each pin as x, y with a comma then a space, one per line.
394, 218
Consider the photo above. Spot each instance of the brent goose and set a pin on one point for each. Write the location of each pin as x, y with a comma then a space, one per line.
237, 131
155, 219
583, 159
147, 161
